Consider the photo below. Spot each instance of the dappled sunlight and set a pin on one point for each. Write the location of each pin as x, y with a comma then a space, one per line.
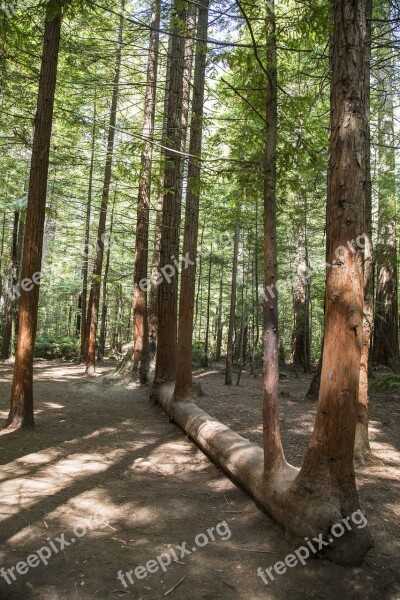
51, 479
53, 405
202, 374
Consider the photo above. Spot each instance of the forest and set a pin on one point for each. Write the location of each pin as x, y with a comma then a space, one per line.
199, 322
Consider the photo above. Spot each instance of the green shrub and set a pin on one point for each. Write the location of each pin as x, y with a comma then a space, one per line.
385, 381
198, 354
51, 348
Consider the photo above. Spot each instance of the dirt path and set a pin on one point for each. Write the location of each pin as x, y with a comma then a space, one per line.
104, 459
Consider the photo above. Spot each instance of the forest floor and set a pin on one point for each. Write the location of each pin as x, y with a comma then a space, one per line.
103, 453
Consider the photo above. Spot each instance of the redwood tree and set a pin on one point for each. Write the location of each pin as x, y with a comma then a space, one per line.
94, 297
171, 212
183, 384
273, 452
325, 488
21, 409
140, 318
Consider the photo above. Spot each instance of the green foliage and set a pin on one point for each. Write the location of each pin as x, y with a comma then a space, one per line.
50, 348
383, 382
198, 354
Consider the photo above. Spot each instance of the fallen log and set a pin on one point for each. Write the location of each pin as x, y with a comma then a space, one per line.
303, 514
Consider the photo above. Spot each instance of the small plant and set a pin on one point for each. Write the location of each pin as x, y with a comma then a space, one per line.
385, 381
51, 348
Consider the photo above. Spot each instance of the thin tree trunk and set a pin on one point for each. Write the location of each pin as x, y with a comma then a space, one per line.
232, 311
20, 248
94, 298
85, 265
140, 317
301, 300
104, 308
3, 229
155, 263
206, 342
219, 321
385, 350
11, 296
21, 409
273, 452
362, 449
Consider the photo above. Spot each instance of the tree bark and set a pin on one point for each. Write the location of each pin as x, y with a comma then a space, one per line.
155, 263
183, 384
140, 317
323, 494
219, 321
94, 298
273, 451
171, 214
207, 337
21, 409
325, 488
104, 308
11, 296
85, 264
362, 449
385, 349
232, 311
301, 300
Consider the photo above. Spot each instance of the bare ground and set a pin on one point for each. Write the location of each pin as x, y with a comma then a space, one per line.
104, 452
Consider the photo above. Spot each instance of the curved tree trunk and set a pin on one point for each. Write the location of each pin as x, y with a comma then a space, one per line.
323, 493
21, 409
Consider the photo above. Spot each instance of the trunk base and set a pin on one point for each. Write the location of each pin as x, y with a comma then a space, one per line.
17, 422
302, 512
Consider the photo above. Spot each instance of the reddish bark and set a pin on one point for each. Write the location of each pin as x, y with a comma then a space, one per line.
21, 409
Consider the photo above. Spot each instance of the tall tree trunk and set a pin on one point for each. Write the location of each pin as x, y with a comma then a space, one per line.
3, 229
207, 337
18, 265
362, 449
104, 308
301, 299
155, 262
85, 264
219, 321
140, 318
385, 350
171, 214
94, 298
21, 409
232, 310
273, 452
325, 488
11, 296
